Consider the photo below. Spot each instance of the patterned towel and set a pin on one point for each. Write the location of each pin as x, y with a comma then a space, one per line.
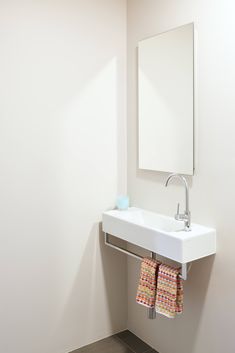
146, 293
169, 295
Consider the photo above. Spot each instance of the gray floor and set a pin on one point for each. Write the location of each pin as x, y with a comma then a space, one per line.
123, 342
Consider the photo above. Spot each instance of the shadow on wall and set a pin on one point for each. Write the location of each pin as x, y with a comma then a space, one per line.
181, 333
159, 177
96, 305
196, 288
114, 269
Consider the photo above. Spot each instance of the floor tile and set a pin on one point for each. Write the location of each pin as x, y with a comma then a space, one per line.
108, 345
133, 342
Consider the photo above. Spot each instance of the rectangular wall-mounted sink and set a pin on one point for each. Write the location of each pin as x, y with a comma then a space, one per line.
160, 234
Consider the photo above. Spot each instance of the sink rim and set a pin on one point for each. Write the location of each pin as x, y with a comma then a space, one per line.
196, 229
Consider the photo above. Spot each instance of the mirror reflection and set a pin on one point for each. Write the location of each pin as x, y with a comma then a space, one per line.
166, 101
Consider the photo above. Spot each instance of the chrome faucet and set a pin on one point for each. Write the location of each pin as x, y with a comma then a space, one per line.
186, 216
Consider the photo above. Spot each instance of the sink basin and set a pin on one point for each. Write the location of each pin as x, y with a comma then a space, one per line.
160, 234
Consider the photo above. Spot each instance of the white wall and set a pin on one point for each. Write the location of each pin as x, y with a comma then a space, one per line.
208, 321
62, 162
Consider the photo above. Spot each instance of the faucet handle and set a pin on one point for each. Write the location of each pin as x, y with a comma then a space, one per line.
178, 216
178, 209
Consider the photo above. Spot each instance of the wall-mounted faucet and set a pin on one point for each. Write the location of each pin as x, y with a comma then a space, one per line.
186, 216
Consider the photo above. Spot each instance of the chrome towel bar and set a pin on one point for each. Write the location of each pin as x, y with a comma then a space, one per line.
184, 267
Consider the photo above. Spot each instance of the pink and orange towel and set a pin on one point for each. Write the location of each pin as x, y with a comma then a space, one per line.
146, 293
161, 287
169, 293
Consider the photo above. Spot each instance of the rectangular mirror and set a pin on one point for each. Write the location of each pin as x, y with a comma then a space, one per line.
166, 101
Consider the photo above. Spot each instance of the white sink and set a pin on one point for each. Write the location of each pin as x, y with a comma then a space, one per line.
160, 234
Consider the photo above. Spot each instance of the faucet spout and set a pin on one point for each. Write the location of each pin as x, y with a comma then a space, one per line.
186, 216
